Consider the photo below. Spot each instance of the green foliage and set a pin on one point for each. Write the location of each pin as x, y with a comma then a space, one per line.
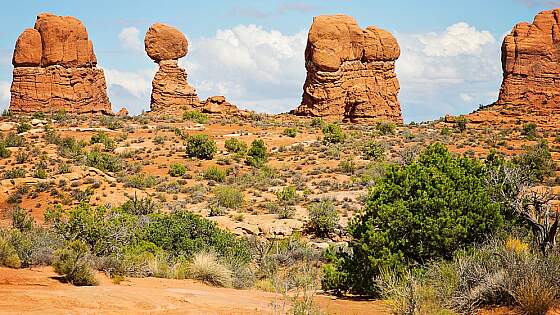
140, 206
373, 151
12, 140
529, 130
4, 152
228, 196
386, 128
323, 217
257, 156
184, 233
347, 166
140, 181
287, 195
537, 160
103, 161
23, 127
103, 138
417, 212
16, 172
196, 116
234, 145
461, 123
177, 170
41, 173
215, 173
317, 122
201, 147
332, 133
73, 263
290, 132
8, 254
22, 220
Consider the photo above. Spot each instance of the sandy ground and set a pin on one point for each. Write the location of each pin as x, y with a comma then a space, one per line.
37, 291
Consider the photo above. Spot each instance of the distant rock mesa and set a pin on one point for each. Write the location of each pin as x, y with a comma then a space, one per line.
531, 63
55, 69
350, 72
171, 93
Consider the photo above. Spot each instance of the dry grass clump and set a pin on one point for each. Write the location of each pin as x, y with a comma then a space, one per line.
206, 267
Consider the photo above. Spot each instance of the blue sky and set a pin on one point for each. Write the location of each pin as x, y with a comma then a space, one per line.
252, 51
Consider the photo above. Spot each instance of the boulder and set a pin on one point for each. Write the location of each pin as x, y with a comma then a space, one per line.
531, 63
54, 69
218, 105
350, 72
123, 112
164, 42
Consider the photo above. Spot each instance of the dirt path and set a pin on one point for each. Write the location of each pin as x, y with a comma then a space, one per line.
36, 291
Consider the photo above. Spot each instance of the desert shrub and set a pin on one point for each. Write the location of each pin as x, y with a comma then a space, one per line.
537, 160
22, 219
529, 130
323, 217
417, 212
373, 151
183, 233
12, 140
228, 196
234, 145
206, 267
347, 166
23, 127
73, 262
215, 173
196, 116
8, 254
290, 132
177, 170
16, 172
112, 123
317, 122
67, 147
201, 147
140, 205
256, 156
104, 161
4, 152
288, 195
461, 123
386, 128
103, 138
332, 133
140, 181
41, 173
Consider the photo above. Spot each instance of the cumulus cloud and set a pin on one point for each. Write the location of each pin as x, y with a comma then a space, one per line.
250, 65
130, 39
130, 89
451, 71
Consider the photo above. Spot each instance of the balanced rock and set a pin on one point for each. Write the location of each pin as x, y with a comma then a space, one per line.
531, 63
171, 93
350, 72
55, 69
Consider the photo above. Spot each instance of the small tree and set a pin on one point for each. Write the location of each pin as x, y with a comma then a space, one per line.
332, 133
323, 217
201, 147
73, 263
234, 145
537, 160
256, 156
461, 123
373, 150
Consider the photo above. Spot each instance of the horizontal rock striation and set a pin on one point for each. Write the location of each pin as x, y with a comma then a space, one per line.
55, 69
531, 63
350, 72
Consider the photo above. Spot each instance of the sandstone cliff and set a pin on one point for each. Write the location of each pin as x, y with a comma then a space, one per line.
350, 72
55, 69
531, 63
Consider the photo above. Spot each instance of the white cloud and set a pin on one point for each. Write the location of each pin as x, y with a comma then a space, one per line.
458, 39
249, 65
4, 94
130, 89
447, 72
130, 39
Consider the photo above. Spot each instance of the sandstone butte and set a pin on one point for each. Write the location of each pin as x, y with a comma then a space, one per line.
350, 72
171, 93
55, 69
531, 63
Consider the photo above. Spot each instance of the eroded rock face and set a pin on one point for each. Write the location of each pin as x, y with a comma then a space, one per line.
350, 72
171, 93
55, 69
531, 62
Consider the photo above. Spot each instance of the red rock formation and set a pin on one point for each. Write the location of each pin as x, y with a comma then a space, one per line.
218, 105
55, 69
350, 72
171, 93
531, 62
